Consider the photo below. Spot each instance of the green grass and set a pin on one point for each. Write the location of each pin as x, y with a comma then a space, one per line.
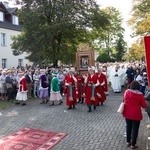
4, 104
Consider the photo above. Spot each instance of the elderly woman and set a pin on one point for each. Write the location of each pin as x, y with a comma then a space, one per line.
55, 91
22, 91
133, 101
3, 85
36, 78
43, 87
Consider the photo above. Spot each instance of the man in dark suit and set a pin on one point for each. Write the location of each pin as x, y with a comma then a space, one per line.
9, 86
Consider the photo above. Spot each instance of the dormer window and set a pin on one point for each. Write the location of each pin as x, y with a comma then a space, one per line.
15, 20
1, 16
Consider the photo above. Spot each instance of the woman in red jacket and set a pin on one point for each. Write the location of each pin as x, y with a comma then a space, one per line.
133, 101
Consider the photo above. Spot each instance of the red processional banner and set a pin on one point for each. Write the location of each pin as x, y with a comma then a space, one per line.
147, 56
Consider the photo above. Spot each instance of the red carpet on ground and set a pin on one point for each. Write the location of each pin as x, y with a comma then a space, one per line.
31, 139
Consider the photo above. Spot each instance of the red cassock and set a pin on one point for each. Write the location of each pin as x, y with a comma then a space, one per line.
64, 87
91, 97
80, 86
70, 91
22, 84
102, 87
103, 81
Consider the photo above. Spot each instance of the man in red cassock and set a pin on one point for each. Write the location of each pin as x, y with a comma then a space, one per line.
80, 87
103, 87
90, 90
70, 83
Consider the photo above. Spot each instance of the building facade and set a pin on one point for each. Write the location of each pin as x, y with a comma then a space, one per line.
9, 26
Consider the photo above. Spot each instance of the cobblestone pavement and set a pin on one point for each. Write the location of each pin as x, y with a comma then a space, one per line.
102, 129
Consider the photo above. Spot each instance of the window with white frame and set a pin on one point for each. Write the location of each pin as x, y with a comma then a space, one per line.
4, 63
1, 16
15, 20
3, 39
20, 62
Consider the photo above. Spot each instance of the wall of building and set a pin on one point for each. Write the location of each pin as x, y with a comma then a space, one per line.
6, 51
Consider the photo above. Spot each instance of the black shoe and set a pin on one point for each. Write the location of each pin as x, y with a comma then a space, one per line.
46, 101
69, 108
79, 100
101, 103
51, 104
17, 103
42, 102
89, 109
134, 147
60, 102
23, 104
94, 107
82, 100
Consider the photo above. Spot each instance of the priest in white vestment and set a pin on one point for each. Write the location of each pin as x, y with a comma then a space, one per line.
116, 79
123, 75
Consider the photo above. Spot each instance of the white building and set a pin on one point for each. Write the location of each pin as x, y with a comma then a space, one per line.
9, 26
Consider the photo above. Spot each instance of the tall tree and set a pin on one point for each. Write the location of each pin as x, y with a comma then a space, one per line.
109, 37
137, 50
51, 27
120, 50
140, 19
139, 23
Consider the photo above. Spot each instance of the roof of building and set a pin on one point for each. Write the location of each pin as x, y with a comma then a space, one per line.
12, 10
6, 23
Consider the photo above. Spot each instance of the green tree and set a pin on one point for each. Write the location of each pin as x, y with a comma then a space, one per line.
112, 31
120, 50
140, 19
104, 56
109, 37
139, 23
54, 28
137, 50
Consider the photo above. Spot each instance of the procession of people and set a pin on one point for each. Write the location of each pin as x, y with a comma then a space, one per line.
51, 84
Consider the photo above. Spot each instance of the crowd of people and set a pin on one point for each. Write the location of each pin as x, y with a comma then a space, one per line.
52, 83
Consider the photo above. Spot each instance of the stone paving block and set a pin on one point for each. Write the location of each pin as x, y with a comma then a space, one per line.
102, 129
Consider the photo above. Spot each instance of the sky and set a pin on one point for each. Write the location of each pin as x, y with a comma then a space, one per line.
124, 7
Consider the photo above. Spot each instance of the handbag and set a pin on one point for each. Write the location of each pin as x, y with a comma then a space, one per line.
121, 108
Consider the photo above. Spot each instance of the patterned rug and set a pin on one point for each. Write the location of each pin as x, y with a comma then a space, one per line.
31, 139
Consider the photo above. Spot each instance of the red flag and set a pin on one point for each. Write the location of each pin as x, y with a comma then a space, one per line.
147, 55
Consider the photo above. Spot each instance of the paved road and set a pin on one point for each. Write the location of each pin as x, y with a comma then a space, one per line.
101, 129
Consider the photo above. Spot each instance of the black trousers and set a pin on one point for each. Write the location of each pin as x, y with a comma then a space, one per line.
132, 131
148, 114
10, 94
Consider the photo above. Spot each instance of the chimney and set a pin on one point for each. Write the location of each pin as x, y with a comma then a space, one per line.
6, 4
